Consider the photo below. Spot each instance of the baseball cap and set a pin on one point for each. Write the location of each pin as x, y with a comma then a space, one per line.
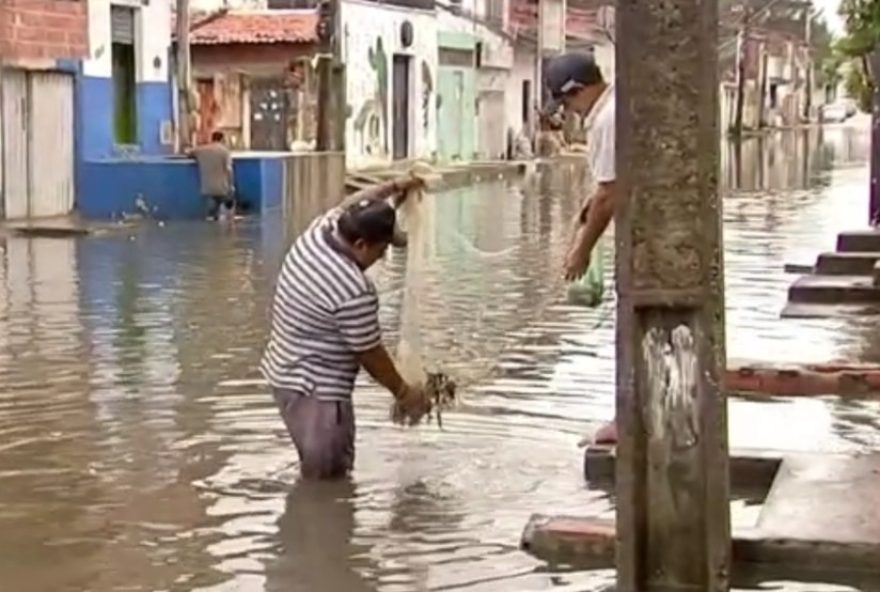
567, 73
374, 221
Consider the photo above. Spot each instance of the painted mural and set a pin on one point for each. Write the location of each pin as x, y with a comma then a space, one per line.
371, 122
369, 53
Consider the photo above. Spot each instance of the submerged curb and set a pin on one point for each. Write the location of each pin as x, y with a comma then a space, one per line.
804, 379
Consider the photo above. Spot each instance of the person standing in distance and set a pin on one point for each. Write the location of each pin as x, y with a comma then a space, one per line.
215, 176
575, 82
325, 328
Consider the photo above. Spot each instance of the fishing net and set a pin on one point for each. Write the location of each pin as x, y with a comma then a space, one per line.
415, 220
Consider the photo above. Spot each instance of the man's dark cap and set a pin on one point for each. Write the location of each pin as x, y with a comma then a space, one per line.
374, 221
570, 72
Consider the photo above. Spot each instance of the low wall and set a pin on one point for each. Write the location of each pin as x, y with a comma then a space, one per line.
168, 188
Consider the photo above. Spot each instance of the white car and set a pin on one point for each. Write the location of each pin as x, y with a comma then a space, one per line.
835, 113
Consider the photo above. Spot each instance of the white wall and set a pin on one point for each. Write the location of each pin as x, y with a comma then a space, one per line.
152, 39
523, 69
363, 24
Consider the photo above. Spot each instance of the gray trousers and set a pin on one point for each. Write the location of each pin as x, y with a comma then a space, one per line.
322, 431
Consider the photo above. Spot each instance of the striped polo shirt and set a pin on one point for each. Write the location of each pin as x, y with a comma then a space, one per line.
325, 312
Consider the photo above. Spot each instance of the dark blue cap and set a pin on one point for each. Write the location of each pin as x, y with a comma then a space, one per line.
570, 72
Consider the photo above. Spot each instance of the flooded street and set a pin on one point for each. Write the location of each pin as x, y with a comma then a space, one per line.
141, 451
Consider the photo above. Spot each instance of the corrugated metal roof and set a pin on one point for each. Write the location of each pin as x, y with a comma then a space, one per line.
267, 26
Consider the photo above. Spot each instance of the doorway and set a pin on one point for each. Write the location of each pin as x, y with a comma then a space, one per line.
269, 114
123, 55
400, 106
38, 153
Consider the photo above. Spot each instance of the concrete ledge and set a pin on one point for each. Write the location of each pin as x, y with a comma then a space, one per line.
863, 241
847, 263
591, 542
801, 310
834, 289
794, 380
63, 227
750, 470
821, 512
452, 176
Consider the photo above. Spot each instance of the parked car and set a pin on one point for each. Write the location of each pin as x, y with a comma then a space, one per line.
835, 113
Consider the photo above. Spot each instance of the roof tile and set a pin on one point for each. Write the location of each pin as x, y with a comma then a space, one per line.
268, 26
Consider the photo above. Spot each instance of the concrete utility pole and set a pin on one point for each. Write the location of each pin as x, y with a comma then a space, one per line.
808, 82
184, 78
874, 207
741, 42
539, 60
331, 79
673, 518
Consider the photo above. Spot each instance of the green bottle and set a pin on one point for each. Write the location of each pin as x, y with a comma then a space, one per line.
589, 289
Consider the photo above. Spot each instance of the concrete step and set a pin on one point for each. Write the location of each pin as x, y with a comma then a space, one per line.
834, 289
859, 241
826, 498
847, 263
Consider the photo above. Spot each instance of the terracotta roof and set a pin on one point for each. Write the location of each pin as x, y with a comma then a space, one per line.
266, 26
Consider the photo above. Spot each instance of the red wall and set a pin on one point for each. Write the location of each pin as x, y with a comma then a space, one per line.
43, 29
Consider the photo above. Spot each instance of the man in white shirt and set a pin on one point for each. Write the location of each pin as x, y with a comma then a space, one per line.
576, 83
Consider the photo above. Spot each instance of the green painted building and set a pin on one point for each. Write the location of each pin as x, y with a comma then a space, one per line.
456, 97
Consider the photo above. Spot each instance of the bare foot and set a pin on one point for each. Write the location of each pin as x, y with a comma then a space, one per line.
607, 434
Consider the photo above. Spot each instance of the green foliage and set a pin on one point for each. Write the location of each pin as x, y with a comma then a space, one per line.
862, 20
858, 86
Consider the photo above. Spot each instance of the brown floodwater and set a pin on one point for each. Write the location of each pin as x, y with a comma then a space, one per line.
140, 451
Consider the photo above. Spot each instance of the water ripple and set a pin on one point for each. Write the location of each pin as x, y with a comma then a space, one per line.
141, 451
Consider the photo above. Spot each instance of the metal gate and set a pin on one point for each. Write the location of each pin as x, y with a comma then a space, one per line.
38, 145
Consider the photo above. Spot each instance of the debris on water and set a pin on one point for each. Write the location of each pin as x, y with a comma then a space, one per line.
797, 268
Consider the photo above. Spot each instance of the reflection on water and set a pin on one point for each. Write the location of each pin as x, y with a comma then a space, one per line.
141, 451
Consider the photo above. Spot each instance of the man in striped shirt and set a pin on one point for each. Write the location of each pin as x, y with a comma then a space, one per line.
325, 327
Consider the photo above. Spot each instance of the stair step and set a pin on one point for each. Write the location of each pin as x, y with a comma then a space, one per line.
847, 263
859, 241
834, 289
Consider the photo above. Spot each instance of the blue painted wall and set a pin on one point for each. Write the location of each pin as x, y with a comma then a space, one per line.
95, 111
153, 107
95, 117
169, 187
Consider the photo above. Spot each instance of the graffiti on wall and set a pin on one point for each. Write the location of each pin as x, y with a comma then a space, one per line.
427, 89
371, 122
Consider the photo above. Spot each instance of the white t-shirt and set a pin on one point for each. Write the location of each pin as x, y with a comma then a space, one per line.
601, 139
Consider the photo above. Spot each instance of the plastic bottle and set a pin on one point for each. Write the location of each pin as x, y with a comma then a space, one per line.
589, 289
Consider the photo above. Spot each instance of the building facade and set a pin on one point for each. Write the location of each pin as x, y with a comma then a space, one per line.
254, 78
391, 56
79, 80
125, 94
38, 40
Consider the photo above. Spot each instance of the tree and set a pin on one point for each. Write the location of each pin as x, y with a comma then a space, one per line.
862, 21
